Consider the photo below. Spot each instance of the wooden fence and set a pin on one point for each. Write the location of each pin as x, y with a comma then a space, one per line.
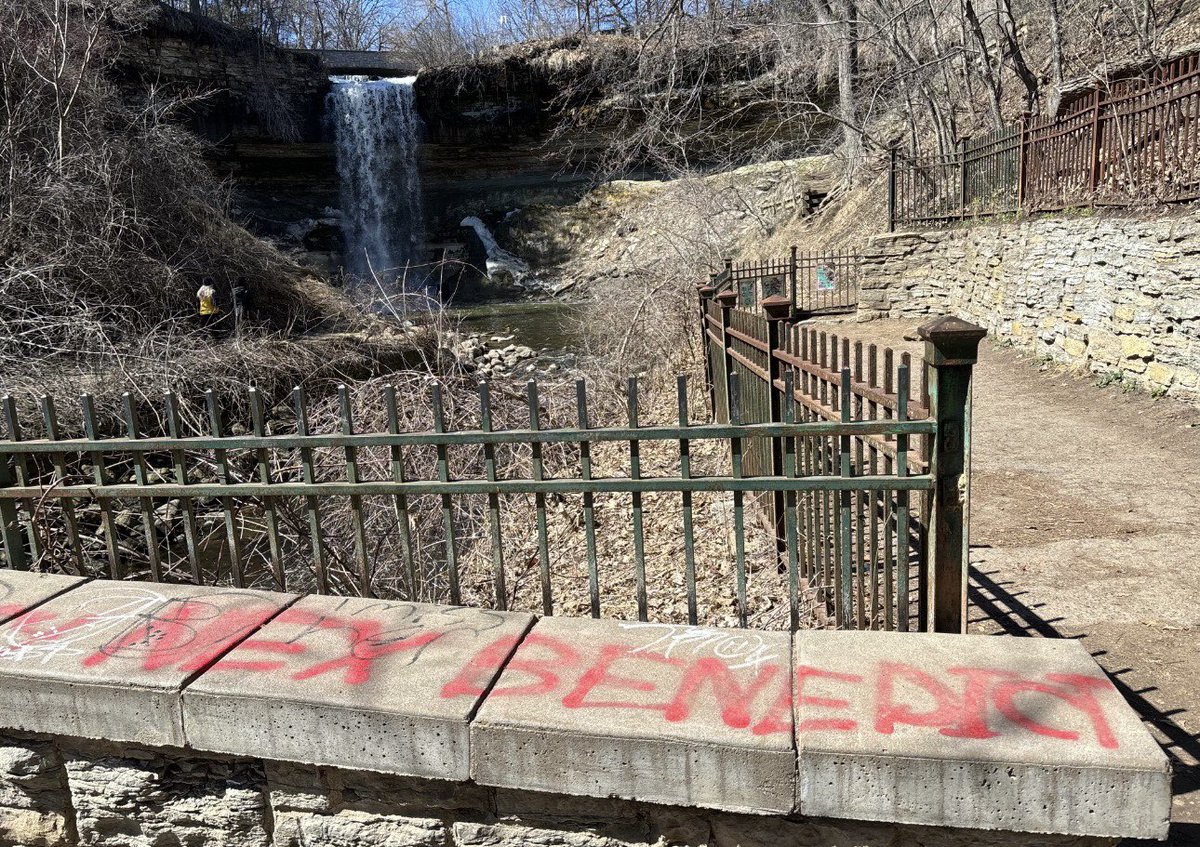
1136, 142
874, 552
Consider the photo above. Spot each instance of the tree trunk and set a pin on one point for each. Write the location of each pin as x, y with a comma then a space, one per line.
1056, 58
988, 71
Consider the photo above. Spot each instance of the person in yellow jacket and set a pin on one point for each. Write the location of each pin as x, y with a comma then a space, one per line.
206, 294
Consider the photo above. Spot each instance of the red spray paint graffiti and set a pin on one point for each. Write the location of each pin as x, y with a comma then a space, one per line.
956, 702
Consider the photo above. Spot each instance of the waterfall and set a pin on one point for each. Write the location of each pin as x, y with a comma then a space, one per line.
376, 129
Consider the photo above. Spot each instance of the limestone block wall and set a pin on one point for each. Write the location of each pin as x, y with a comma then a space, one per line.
60, 792
1111, 295
152, 715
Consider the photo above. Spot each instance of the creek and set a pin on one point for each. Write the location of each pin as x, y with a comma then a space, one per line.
553, 329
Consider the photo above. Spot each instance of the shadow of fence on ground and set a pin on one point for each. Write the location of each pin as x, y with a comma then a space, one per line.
992, 600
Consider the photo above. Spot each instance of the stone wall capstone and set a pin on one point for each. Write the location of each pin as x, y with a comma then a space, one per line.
140, 714
1110, 295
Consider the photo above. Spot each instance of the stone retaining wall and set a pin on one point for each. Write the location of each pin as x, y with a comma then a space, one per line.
1110, 295
142, 714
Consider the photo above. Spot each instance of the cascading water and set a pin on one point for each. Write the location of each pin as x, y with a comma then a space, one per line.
376, 130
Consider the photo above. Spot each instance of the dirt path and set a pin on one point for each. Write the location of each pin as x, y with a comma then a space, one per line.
1085, 503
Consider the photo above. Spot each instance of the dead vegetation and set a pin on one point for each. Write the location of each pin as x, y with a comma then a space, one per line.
110, 218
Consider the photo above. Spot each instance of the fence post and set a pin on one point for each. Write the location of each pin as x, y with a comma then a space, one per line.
706, 293
793, 270
951, 350
962, 179
891, 189
10, 529
727, 299
777, 310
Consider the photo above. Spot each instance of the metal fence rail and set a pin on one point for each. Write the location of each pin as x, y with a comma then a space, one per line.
873, 551
1138, 141
326, 499
816, 283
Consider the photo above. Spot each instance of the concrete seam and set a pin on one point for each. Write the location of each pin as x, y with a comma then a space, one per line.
84, 581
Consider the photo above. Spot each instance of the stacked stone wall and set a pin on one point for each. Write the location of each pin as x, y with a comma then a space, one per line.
62, 792
1110, 295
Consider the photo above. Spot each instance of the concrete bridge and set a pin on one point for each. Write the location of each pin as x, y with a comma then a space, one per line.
363, 62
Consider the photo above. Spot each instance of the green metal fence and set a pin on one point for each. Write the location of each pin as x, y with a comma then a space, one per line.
890, 559
506, 517
816, 283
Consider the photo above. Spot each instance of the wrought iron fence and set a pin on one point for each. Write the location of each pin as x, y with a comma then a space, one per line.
878, 541
815, 283
1137, 141
522, 516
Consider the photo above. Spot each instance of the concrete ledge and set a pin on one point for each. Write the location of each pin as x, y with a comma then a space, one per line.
108, 660
351, 682
21, 591
973, 731
669, 714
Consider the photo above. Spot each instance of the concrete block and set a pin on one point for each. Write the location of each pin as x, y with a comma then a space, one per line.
654, 712
983, 732
109, 659
20, 591
355, 683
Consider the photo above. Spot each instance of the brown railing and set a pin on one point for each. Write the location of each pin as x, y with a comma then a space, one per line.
1138, 141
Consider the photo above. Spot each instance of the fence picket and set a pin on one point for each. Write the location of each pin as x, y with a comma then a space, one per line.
50, 422
443, 471
685, 472
400, 501
145, 504
489, 465
263, 462
589, 504
107, 524
178, 462
311, 505
635, 473
539, 500
221, 459
13, 423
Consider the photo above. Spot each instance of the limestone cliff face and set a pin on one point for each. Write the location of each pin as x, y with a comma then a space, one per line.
253, 92
492, 138
527, 123
260, 107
